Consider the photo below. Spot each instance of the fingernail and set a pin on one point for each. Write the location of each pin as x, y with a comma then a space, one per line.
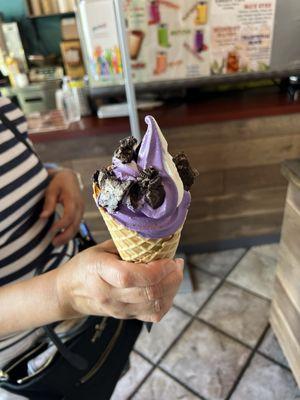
44, 214
180, 262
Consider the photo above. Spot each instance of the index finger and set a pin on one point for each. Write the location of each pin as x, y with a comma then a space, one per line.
123, 274
66, 219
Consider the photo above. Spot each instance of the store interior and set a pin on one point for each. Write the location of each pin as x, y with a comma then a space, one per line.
223, 83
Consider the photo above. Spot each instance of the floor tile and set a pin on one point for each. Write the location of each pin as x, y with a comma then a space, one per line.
270, 347
218, 263
238, 313
206, 361
139, 368
256, 271
264, 380
162, 335
204, 286
160, 386
267, 250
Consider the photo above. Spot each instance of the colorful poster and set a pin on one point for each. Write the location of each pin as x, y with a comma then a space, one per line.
241, 35
101, 43
179, 39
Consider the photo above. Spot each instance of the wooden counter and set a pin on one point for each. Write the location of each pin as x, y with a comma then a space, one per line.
218, 107
285, 311
236, 141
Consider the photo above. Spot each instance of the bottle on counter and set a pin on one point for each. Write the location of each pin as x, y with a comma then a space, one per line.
70, 102
80, 89
12, 69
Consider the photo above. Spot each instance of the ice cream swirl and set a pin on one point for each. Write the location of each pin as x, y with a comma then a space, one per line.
166, 219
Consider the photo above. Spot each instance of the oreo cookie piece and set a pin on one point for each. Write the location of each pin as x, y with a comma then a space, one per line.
151, 187
155, 194
95, 177
186, 173
146, 176
112, 194
134, 198
102, 174
126, 151
136, 152
112, 191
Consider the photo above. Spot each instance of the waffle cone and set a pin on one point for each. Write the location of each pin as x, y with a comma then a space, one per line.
134, 247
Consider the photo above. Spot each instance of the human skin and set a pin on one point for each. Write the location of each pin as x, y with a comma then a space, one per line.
94, 282
63, 189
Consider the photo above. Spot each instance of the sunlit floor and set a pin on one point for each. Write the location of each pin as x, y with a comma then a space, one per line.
215, 343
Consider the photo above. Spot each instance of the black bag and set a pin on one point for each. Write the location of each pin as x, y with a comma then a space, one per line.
88, 365
105, 343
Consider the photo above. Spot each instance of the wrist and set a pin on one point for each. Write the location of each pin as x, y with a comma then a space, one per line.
63, 293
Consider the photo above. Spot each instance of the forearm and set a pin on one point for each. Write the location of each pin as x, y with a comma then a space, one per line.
30, 304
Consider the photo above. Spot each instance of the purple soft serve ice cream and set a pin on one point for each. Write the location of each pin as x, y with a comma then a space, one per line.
145, 189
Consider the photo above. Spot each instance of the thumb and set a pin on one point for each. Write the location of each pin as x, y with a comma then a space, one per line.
50, 203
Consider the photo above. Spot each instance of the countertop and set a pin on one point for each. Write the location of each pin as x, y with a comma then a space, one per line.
207, 108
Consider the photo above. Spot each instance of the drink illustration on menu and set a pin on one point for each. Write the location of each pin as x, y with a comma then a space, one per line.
241, 35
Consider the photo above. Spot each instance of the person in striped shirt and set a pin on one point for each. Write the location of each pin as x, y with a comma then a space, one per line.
33, 237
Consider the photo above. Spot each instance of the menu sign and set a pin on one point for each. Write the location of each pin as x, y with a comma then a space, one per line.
179, 39
241, 35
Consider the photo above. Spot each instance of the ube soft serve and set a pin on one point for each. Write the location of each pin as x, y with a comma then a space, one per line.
145, 189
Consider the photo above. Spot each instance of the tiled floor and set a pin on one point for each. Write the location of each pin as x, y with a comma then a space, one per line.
215, 343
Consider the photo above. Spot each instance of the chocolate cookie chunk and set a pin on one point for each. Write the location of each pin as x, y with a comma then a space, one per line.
155, 194
95, 177
151, 187
112, 193
102, 174
149, 173
112, 189
186, 173
136, 152
125, 152
134, 197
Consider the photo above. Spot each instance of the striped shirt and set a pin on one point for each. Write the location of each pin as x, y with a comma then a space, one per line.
25, 240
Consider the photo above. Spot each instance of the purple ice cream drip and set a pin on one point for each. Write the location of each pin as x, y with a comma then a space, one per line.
148, 222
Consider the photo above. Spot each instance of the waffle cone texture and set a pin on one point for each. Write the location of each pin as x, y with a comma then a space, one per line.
134, 247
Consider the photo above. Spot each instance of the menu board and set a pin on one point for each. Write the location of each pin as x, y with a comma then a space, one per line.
241, 35
182, 39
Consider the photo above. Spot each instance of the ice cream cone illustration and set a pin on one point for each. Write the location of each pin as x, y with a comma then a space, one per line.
135, 43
